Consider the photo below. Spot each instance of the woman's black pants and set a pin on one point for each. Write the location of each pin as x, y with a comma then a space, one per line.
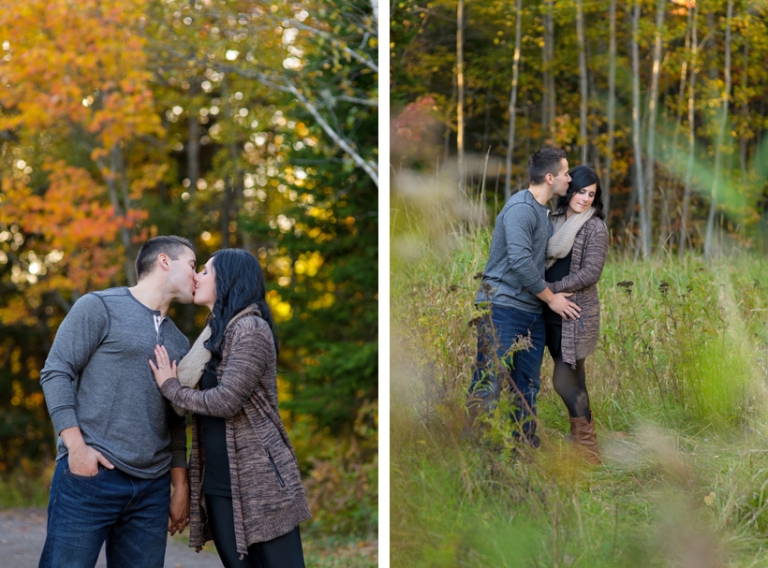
569, 383
283, 552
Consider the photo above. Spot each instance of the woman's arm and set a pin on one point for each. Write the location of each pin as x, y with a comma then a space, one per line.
595, 251
248, 360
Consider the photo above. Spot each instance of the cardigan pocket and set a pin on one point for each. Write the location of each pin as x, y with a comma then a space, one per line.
274, 467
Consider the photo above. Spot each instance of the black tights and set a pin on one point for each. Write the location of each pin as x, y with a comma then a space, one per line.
569, 383
282, 552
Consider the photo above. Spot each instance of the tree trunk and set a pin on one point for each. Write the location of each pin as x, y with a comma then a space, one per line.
653, 99
708, 252
743, 140
460, 86
487, 123
193, 152
513, 102
611, 109
548, 50
583, 140
691, 136
116, 170
683, 79
645, 237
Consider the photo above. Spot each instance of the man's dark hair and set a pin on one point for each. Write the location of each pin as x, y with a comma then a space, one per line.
171, 245
545, 161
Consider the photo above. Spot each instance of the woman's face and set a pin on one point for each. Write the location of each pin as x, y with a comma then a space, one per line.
582, 200
205, 286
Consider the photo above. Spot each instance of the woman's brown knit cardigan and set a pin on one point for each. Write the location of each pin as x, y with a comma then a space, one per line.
590, 248
267, 495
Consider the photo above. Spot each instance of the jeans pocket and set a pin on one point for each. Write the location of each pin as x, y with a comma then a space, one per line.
69, 473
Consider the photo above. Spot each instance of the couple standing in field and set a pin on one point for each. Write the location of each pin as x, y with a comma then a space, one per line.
109, 380
540, 283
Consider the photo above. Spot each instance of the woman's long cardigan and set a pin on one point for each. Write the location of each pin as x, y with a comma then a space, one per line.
267, 495
590, 248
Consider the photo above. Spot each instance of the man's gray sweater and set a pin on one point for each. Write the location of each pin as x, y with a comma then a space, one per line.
97, 377
517, 261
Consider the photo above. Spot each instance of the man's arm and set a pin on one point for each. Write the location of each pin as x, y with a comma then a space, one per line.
78, 336
519, 226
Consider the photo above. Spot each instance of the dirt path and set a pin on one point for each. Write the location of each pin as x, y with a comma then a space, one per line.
22, 533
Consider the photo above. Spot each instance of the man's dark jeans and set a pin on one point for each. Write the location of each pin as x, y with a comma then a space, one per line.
496, 332
129, 513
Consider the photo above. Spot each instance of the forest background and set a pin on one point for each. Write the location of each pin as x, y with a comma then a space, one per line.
666, 100
234, 124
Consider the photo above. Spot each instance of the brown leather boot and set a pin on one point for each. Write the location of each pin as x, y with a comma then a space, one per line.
584, 436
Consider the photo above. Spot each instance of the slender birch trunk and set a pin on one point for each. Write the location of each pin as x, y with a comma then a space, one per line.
611, 108
708, 252
653, 99
638, 166
513, 102
548, 50
583, 139
691, 136
460, 86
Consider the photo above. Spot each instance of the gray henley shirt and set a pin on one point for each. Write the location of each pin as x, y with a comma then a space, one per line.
514, 273
97, 377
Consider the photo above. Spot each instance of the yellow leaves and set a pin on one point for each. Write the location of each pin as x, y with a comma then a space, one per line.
308, 264
281, 310
151, 175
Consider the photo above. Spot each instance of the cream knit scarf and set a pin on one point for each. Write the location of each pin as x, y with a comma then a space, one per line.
565, 231
192, 366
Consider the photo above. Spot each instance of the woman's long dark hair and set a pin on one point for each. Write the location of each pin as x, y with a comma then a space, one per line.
239, 284
581, 177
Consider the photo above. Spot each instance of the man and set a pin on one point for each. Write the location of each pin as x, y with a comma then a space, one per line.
513, 291
120, 444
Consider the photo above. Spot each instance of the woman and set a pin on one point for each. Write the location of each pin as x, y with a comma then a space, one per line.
246, 491
575, 258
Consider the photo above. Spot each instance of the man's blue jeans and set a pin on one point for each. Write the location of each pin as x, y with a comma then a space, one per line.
129, 513
497, 331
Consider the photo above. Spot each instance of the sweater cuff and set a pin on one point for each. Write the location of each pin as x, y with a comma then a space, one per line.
179, 458
537, 288
170, 388
63, 419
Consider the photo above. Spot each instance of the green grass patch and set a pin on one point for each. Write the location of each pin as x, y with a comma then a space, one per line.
678, 392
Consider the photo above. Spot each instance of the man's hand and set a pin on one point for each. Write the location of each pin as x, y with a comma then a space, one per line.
561, 305
179, 516
83, 459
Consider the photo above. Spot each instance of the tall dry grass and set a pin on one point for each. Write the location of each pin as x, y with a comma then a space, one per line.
678, 389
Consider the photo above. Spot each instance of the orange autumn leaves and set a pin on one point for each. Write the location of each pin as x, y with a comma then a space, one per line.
77, 63
74, 75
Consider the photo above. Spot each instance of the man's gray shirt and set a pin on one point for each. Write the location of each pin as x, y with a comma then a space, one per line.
517, 261
97, 377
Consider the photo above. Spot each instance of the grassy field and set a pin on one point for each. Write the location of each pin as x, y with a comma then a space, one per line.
678, 390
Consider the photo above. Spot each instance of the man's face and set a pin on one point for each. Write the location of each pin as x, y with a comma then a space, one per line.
182, 276
561, 180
